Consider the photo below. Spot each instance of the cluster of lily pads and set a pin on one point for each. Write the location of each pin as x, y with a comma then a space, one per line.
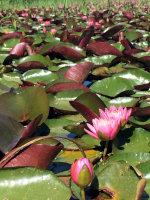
57, 71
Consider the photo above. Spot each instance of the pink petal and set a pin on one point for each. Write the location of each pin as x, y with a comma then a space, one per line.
91, 128
87, 162
102, 113
91, 134
120, 108
113, 108
128, 114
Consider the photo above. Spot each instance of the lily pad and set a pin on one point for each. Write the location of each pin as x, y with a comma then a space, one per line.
132, 140
120, 181
41, 75
28, 183
112, 86
20, 107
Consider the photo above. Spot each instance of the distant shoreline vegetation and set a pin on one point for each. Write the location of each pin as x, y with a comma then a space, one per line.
20, 4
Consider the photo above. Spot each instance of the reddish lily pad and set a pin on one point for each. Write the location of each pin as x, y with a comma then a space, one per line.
83, 105
39, 154
19, 49
68, 53
78, 72
103, 48
128, 15
63, 86
111, 31
33, 62
10, 36
31, 128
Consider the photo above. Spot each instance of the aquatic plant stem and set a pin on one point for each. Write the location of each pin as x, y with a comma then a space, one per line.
17, 149
105, 149
82, 194
73, 141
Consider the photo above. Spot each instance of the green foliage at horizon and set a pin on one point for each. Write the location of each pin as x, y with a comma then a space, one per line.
20, 4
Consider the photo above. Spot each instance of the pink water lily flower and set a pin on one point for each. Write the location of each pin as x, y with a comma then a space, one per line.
39, 19
60, 6
122, 114
53, 31
97, 24
104, 129
91, 23
44, 30
24, 14
81, 172
33, 15
5, 31
26, 9
84, 17
47, 23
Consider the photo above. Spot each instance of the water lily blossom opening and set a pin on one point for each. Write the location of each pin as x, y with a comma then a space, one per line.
121, 114
81, 172
104, 129
108, 124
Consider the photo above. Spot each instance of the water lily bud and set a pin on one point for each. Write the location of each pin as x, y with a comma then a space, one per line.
44, 30
81, 172
53, 31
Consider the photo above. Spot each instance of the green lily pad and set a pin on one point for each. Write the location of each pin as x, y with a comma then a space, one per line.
124, 101
144, 168
36, 57
99, 60
133, 158
87, 98
138, 122
119, 46
142, 54
10, 134
111, 86
132, 35
41, 75
9, 44
137, 76
56, 126
25, 105
3, 56
132, 140
12, 76
28, 182
58, 43
61, 99
120, 181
